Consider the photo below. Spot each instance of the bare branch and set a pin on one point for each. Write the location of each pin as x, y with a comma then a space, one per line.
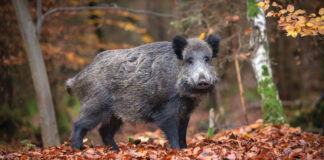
39, 13
238, 74
114, 7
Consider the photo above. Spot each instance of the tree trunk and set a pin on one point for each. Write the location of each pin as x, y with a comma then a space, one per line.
40, 80
271, 104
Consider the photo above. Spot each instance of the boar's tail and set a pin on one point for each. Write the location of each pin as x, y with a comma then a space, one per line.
68, 85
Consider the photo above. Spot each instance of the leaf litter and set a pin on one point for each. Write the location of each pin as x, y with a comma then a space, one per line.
255, 141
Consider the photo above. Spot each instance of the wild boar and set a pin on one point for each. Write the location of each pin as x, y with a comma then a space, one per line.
160, 82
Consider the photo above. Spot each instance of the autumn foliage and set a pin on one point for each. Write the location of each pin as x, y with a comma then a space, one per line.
295, 21
70, 40
256, 141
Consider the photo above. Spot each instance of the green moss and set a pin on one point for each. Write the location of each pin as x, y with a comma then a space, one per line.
265, 71
253, 9
271, 107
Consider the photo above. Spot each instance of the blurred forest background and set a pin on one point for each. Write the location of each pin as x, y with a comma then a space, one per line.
70, 40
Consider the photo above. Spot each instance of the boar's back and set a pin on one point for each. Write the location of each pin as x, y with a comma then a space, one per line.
135, 80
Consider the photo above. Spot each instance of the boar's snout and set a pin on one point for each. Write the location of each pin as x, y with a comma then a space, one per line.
202, 82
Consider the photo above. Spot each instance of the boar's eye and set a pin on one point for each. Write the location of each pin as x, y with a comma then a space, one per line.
207, 59
190, 60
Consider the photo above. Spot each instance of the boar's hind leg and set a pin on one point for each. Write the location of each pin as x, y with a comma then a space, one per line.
183, 124
108, 130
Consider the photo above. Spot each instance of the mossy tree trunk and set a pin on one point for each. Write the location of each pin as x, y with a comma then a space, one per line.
271, 104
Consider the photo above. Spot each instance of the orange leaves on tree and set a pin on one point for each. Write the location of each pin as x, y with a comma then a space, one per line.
321, 29
147, 38
244, 56
112, 45
264, 6
260, 4
271, 14
13, 60
74, 58
235, 18
68, 58
101, 13
127, 26
231, 19
296, 22
275, 4
51, 51
126, 14
202, 36
281, 12
321, 11
248, 31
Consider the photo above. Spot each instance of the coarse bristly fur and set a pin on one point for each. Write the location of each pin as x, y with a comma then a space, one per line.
159, 82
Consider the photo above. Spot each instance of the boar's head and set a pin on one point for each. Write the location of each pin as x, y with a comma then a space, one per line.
196, 74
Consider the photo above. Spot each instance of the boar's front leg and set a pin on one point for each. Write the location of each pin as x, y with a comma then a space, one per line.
183, 124
108, 130
81, 127
91, 115
166, 118
170, 127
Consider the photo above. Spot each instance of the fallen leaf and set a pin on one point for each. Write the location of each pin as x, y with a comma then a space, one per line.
254, 141
290, 8
299, 11
309, 24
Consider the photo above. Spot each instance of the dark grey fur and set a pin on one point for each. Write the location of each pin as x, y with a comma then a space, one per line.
143, 84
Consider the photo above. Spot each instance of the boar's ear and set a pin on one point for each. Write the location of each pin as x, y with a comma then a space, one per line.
213, 41
178, 44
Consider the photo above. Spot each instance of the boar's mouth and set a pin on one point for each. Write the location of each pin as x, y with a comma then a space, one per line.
185, 88
201, 91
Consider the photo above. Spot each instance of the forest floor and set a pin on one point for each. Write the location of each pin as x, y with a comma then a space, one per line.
255, 141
